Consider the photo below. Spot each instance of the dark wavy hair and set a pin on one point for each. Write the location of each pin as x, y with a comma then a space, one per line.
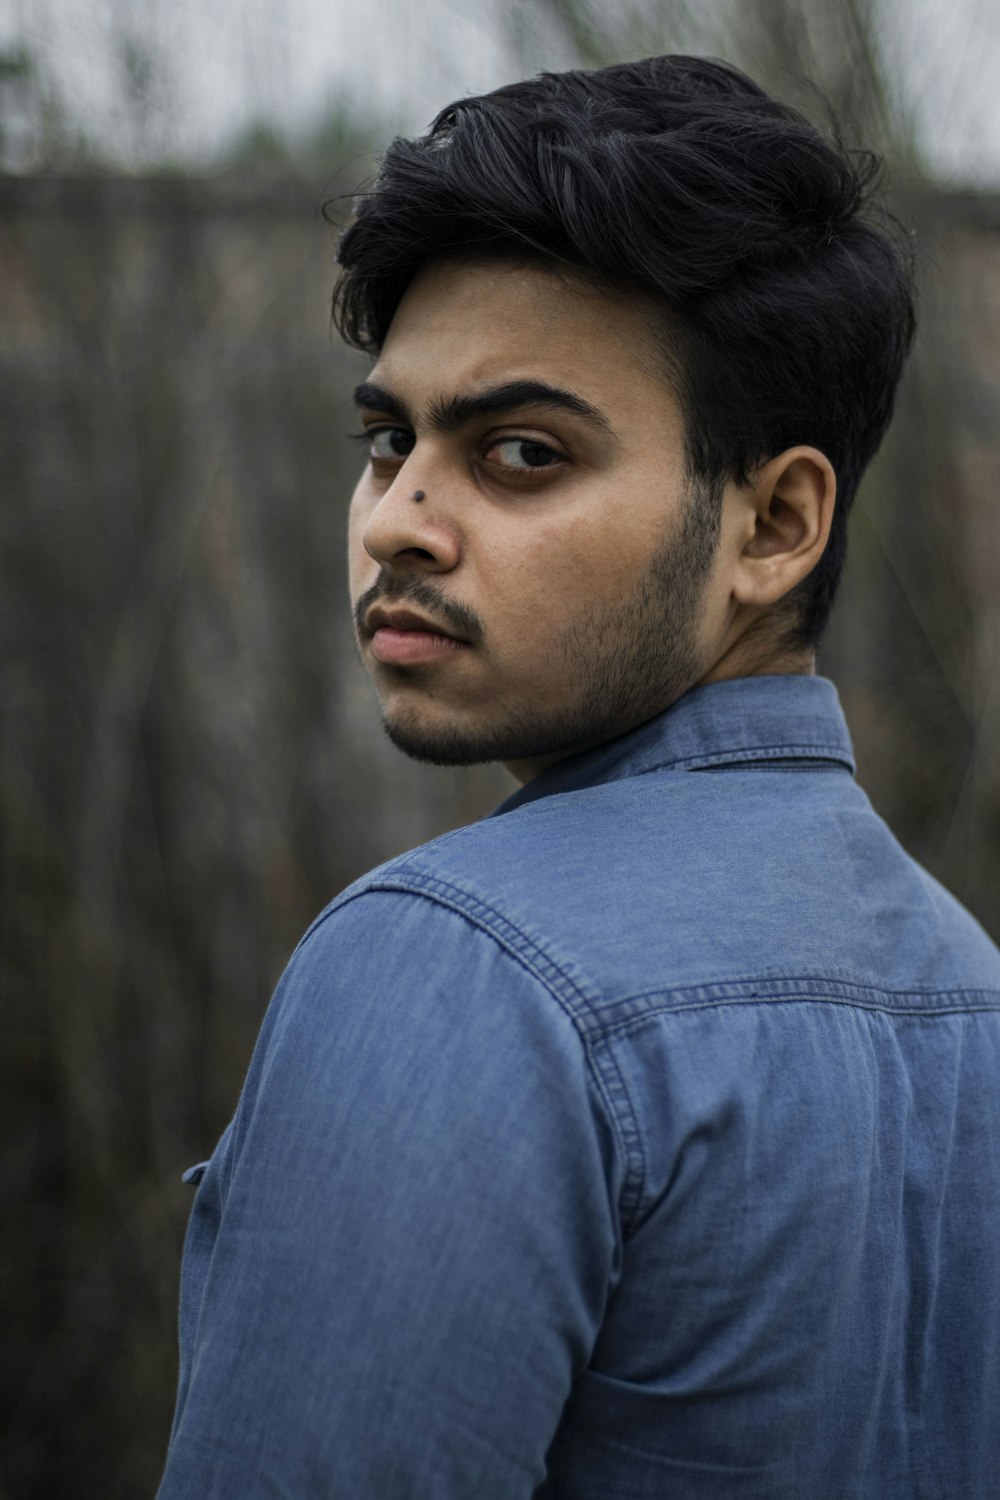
787, 293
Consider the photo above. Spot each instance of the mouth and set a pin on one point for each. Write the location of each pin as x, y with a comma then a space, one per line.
400, 637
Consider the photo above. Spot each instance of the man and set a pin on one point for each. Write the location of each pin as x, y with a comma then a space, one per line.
643, 1139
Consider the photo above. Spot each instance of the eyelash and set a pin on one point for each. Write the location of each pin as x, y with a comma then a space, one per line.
365, 437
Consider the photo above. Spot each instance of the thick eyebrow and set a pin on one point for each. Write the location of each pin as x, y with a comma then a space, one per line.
446, 414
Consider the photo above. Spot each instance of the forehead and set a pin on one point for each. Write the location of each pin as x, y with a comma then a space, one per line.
463, 326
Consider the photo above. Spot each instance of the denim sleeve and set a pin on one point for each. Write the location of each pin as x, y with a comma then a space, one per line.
400, 1254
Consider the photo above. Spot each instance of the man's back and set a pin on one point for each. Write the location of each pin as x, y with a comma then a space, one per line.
653, 1143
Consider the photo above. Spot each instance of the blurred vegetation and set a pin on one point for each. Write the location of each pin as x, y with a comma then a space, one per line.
41, 134
190, 761
341, 138
36, 130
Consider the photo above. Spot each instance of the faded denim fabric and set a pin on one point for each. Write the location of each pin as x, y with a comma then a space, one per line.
639, 1142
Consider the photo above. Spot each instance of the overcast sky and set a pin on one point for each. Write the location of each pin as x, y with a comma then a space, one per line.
220, 63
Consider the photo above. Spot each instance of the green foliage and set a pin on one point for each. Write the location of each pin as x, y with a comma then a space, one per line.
339, 140
15, 64
260, 147
38, 132
40, 129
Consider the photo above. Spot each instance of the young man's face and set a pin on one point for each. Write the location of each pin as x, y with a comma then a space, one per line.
554, 586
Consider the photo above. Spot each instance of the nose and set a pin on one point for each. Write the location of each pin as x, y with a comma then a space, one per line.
402, 532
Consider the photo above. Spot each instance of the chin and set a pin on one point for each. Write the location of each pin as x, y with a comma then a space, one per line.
440, 748
520, 737
444, 744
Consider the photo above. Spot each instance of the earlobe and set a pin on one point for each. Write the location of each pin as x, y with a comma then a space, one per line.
791, 506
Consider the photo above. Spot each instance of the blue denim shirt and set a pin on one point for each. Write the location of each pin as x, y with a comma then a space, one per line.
641, 1140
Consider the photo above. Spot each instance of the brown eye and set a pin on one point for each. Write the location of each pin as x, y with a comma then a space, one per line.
524, 454
390, 442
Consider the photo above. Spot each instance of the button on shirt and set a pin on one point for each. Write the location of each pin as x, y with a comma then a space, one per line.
641, 1140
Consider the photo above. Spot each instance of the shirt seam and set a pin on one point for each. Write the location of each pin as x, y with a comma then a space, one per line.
823, 755
769, 988
570, 997
601, 1062
823, 752
597, 1029
630, 1024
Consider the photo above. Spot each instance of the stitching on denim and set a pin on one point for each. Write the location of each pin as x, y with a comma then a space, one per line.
564, 991
598, 1026
517, 944
823, 755
522, 948
633, 1188
574, 1000
633, 1023
822, 751
767, 988
780, 762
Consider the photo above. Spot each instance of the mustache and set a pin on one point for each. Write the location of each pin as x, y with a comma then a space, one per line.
387, 590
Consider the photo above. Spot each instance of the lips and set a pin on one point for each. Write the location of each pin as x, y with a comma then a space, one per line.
400, 637
383, 617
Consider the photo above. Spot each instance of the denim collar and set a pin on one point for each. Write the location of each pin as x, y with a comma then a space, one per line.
744, 721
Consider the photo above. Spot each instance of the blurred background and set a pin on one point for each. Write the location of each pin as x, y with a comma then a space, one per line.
191, 763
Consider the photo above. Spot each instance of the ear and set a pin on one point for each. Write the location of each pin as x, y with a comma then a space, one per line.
787, 515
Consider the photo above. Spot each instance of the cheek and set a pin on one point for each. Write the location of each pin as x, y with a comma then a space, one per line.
359, 562
532, 594
564, 568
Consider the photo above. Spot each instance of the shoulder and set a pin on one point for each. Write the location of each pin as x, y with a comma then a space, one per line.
402, 1011
673, 880
564, 888
533, 858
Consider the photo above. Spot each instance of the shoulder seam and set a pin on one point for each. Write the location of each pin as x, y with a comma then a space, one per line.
572, 1001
